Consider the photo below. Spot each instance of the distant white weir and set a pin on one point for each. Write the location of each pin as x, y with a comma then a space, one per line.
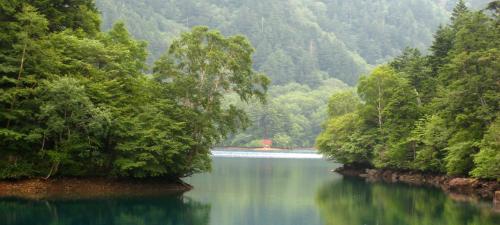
259, 154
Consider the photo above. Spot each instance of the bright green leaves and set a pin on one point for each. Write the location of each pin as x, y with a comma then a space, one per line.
487, 161
468, 97
169, 130
68, 121
343, 140
343, 103
391, 105
153, 142
430, 138
437, 113
76, 102
31, 23
211, 64
198, 69
344, 137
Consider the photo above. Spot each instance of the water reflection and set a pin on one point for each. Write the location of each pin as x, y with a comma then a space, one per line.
165, 210
259, 191
352, 201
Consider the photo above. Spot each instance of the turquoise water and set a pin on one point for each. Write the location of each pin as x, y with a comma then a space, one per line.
263, 190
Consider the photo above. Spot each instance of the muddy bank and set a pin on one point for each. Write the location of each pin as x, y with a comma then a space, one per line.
456, 186
78, 188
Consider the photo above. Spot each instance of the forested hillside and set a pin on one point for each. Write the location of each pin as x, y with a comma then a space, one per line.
434, 113
300, 40
296, 41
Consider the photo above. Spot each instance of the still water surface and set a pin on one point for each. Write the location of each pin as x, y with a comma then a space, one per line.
248, 188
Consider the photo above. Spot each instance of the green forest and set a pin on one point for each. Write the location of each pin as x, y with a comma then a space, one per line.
76, 101
291, 117
305, 42
436, 112
301, 41
83, 96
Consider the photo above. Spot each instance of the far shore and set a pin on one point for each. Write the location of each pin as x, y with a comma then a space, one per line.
260, 148
88, 188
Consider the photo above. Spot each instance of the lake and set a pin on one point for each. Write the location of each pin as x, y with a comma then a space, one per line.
255, 188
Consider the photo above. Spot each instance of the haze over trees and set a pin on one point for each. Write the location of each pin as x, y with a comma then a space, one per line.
291, 117
76, 101
434, 113
299, 41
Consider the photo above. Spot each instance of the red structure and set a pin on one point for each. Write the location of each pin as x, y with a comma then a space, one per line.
267, 143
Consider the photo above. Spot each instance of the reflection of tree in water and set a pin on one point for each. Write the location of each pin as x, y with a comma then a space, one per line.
352, 201
171, 210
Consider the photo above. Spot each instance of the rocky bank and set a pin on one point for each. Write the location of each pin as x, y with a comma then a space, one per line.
459, 186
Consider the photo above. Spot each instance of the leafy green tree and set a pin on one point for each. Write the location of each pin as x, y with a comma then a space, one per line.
156, 142
430, 137
442, 44
343, 103
459, 10
435, 113
22, 39
343, 138
414, 67
76, 101
198, 69
469, 97
487, 160
74, 14
69, 124
391, 107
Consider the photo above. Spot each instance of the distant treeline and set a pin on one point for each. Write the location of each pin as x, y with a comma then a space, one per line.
434, 113
75, 101
291, 117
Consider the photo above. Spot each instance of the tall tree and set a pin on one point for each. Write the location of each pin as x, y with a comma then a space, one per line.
199, 68
459, 10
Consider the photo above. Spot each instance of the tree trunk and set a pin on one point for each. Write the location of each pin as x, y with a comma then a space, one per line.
21, 69
379, 107
53, 170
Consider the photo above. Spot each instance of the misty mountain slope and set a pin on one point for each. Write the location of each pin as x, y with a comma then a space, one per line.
302, 41
296, 41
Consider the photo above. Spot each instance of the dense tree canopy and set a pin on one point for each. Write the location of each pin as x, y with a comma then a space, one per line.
300, 41
77, 102
435, 113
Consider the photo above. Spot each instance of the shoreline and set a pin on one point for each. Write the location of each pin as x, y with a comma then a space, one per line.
88, 188
262, 148
459, 187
